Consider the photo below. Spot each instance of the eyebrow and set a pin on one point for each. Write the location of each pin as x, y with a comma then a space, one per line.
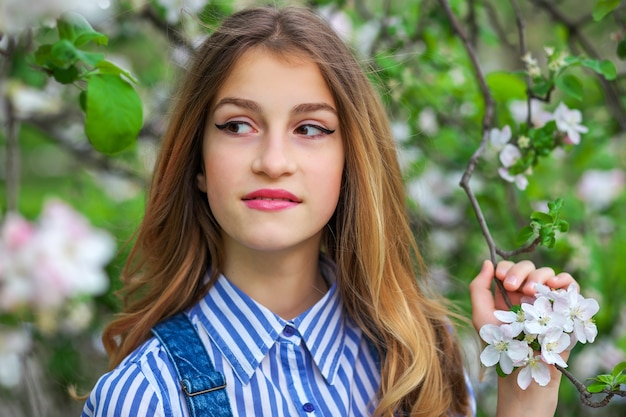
253, 106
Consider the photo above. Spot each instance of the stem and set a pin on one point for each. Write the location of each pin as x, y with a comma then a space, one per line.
486, 125
611, 89
521, 31
585, 396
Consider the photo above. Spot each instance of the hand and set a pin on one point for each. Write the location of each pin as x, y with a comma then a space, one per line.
519, 280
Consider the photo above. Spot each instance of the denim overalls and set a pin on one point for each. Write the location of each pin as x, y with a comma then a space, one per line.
204, 387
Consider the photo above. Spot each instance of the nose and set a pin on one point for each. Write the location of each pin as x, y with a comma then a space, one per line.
275, 156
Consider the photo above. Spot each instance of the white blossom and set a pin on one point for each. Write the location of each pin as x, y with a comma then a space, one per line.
499, 138
58, 258
516, 320
538, 115
14, 343
569, 121
540, 316
553, 342
501, 347
535, 369
509, 155
552, 322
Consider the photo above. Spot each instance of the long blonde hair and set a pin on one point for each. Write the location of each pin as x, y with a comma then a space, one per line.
368, 236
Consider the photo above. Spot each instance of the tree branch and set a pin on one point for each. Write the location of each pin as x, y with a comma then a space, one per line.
585, 396
487, 122
610, 88
89, 157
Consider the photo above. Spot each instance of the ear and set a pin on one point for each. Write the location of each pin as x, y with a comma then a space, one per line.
201, 181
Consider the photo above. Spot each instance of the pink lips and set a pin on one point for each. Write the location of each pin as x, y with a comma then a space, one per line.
270, 200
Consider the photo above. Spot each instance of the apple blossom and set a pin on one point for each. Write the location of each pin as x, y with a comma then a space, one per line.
553, 342
538, 115
568, 121
516, 320
541, 317
599, 188
498, 138
551, 322
60, 257
501, 347
535, 369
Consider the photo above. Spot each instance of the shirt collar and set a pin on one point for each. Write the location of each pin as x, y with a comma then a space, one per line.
244, 330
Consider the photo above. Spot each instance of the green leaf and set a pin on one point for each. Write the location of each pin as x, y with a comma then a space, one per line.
107, 67
570, 85
619, 368
526, 233
82, 101
114, 113
42, 55
76, 29
506, 86
555, 206
541, 218
596, 387
90, 58
562, 226
604, 7
621, 49
63, 54
605, 67
542, 87
65, 75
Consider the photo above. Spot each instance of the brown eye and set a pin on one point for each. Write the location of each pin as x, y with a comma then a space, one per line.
237, 128
312, 130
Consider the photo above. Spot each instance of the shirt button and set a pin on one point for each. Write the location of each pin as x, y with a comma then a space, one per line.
289, 331
308, 407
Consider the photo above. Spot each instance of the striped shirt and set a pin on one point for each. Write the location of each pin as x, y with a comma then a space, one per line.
318, 364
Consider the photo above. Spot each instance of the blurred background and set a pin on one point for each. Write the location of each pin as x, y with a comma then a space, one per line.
72, 187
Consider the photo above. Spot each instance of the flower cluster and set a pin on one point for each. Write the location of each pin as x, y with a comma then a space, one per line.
45, 264
567, 125
534, 334
49, 270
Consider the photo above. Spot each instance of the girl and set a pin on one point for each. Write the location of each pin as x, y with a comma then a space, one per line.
276, 224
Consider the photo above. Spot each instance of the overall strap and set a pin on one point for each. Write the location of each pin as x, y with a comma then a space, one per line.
204, 387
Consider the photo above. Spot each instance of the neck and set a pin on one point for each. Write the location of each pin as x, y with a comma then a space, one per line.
288, 283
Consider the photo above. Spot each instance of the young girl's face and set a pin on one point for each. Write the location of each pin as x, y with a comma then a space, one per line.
273, 154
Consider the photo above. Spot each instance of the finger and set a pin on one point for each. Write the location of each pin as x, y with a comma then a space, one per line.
513, 276
538, 276
562, 280
482, 297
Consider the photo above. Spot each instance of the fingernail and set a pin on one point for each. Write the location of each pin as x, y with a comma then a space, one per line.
512, 280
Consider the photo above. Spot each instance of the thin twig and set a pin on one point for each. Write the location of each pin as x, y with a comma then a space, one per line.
526, 249
521, 32
585, 396
492, 14
613, 94
89, 157
170, 33
472, 24
487, 122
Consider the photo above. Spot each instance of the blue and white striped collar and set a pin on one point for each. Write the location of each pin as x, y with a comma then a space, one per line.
244, 330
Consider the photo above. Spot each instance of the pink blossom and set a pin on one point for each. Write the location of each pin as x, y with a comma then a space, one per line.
600, 188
